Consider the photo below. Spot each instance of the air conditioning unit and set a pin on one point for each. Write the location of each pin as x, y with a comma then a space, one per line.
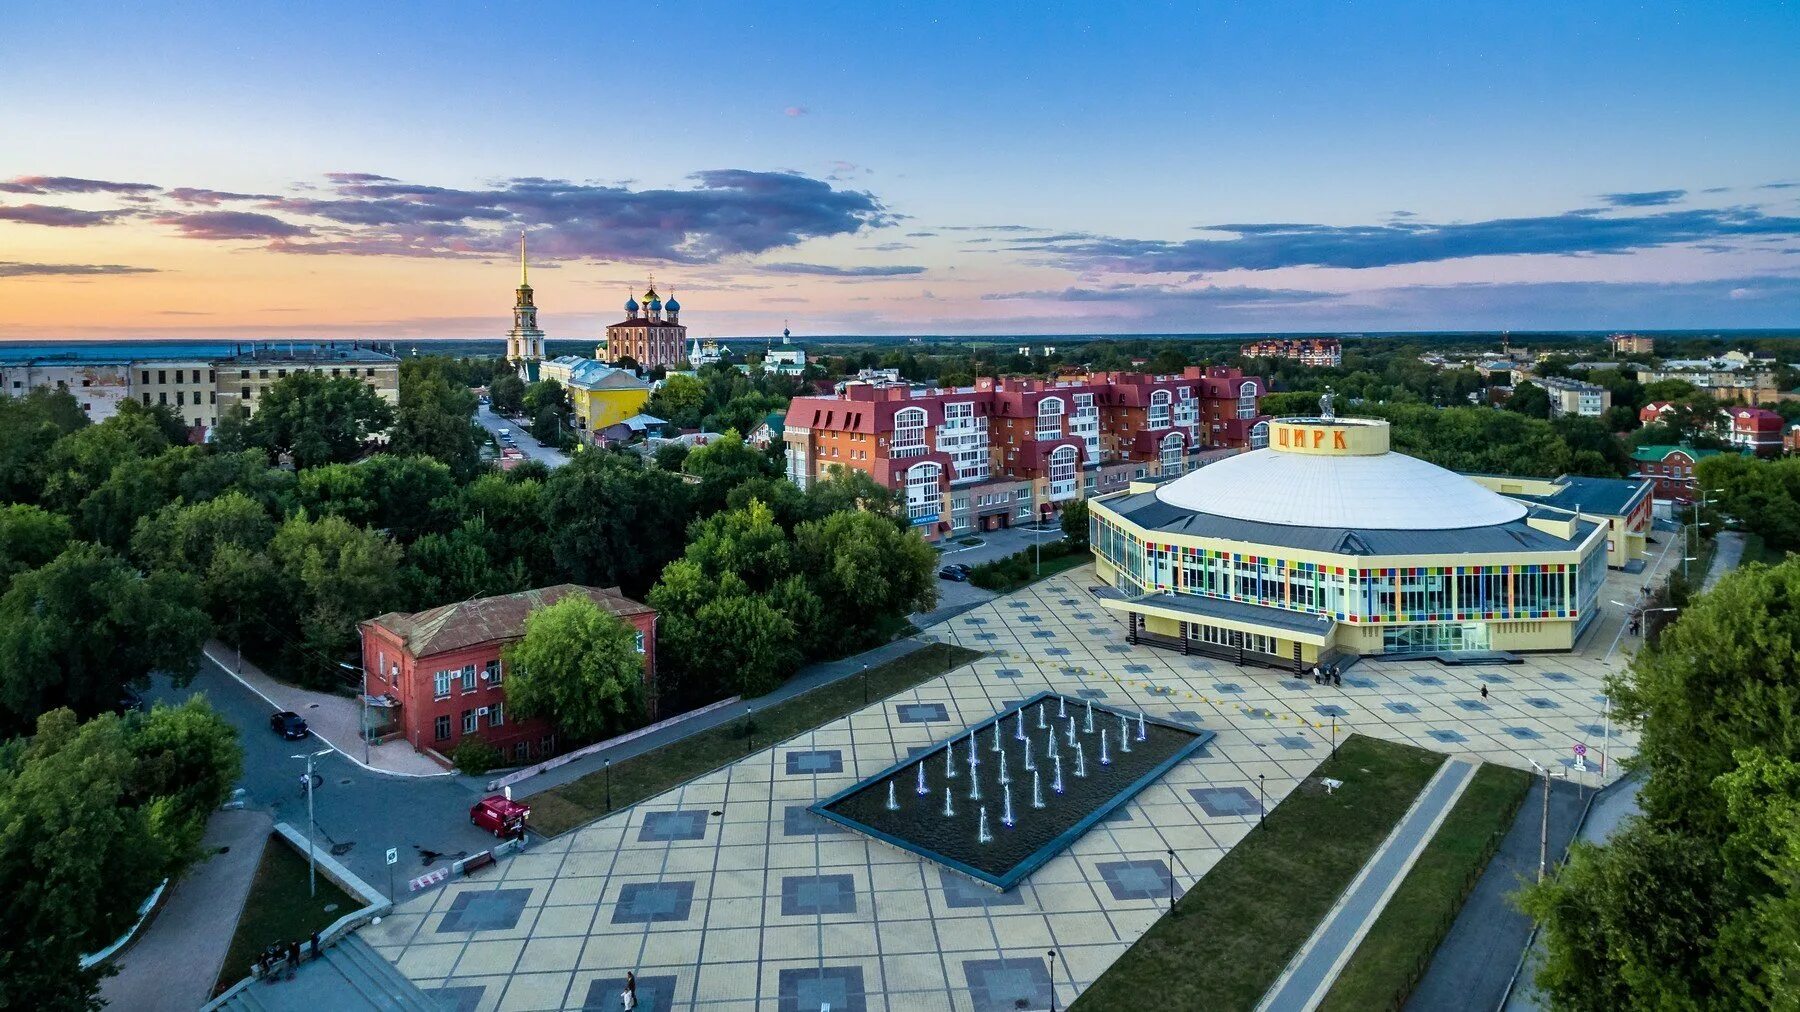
484, 676
481, 711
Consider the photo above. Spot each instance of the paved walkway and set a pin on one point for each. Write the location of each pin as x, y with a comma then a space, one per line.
335, 720
808, 678
173, 964
1310, 974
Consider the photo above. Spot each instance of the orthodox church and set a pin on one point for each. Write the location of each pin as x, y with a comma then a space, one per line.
651, 334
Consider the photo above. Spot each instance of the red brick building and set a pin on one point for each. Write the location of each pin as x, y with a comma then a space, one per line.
1319, 351
1758, 430
1036, 441
1671, 468
441, 669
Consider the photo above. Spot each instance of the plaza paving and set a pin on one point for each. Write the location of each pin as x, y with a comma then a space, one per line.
726, 894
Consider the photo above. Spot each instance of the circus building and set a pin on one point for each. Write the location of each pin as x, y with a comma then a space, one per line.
1328, 544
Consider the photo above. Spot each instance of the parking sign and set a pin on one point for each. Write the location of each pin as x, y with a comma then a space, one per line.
393, 855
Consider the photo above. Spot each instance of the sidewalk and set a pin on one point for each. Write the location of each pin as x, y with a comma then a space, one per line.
1310, 973
334, 720
808, 678
173, 964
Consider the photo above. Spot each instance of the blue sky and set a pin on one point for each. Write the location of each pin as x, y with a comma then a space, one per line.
927, 168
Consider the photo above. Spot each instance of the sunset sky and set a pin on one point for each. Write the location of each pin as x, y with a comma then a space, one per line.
338, 169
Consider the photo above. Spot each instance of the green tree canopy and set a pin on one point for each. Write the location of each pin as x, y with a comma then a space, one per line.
577, 665
317, 419
611, 520
334, 574
436, 418
74, 632
29, 538
29, 427
185, 538
506, 395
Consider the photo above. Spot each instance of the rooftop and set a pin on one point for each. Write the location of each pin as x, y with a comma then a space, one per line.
1607, 496
1654, 452
490, 619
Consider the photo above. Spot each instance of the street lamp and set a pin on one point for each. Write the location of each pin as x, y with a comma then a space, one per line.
312, 827
1051, 959
606, 765
865, 683
1260, 824
362, 698
1171, 881
1544, 828
749, 730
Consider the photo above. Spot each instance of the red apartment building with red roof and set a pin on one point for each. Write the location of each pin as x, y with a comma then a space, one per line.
441, 674
1017, 448
1758, 430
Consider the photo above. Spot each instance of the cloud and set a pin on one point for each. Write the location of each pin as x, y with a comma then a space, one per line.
1268, 246
213, 198
887, 247
920, 235
14, 269
1166, 294
1778, 186
825, 271
991, 228
233, 225
727, 212
71, 184
359, 177
57, 217
1644, 198
795, 111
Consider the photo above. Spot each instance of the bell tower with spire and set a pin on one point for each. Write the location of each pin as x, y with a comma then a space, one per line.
525, 343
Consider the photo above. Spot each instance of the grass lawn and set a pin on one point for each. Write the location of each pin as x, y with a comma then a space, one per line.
1392, 957
560, 809
279, 909
1232, 933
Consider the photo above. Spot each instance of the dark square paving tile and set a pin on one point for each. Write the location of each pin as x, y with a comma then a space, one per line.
1006, 985
1228, 688
1091, 693
1137, 669
808, 989
1294, 742
648, 902
1427, 680
1031, 618
825, 760
1541, 703
466, 998
797, 821
654, 994
1135, 880
495, 910
986, 637
924, 713
1119, 814
1496, 679
1004, 673
807, 895
1219, 802
1296, 686
961, 893
1360, 682
1331, 710
975, 621
1160, 690
1472, 705
1447, 737
1085, 616
1401, 708
1558, 676
689, 824
1597, 730
1118, 648
1522, 733
1187, 715
1043, 634
1057, 651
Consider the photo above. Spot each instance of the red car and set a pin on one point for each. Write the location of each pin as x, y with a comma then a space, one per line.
500, 816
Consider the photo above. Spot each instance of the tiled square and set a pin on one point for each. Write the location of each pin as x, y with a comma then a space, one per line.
975, 621
458, 999
1187, 715
1331, 710
1219, 802
1558, 676
1137, 669
921, 713
1427, 680
1136, 880
492, 910
797, 821
1159, 690
1497, 679
961, 893
1043, 634
808, 989
825, 760
807, 895
1294, 742
654, 994
687, 824
1091, 693
1472, 705
1539, 702
1596, 730
1006, 985
1447, 737
1057, 652
1522, 733
1008, 673
986, 637
1112, 648
652, 902
1360, 682
1401, 708
1228, 688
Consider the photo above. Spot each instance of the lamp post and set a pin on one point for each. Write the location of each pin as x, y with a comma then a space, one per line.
1051, 959
312, 827
1171, 881
749, 732
606, 765
362, 699
1260, 824
865, 683
1544, 827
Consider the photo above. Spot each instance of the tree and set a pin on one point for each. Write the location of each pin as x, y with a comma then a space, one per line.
752, 647
334, 574
185, 538
723, 464
547, 405
1529, 399
1075, 522
79, 462
316, 419
577, 665
185, 760
403, 496
29, 538
869, 574
609, 520
671, 456
436, 418
681, 399
242, 588
506, 395
29, 427
78, 630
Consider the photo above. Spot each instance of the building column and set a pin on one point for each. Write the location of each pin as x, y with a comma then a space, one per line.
1184, 638
1131, 627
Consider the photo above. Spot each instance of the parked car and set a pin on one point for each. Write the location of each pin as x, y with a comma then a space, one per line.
505, 433
289, 725
500, 816
955, 574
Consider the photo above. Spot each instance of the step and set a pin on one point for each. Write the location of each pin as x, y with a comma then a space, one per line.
376, 978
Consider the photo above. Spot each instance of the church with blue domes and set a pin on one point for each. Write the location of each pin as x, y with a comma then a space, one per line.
651, 333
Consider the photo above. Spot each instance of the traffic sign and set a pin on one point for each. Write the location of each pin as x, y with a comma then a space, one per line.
1580, 748
393, 855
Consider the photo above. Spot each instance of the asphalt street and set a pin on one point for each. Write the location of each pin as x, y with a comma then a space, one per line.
523, 440
359, 814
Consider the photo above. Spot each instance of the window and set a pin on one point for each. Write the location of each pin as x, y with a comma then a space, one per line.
440, 685
162, 376
521, 751
922, 499
469, 721
639, 642
440, 728
909, 433
468, 678
1247, 400
1159, 409
1259, 435
1062, 472
1049, 419
1171, 453
493, 674
497, 715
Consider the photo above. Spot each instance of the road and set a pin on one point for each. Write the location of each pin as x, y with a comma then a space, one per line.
358, 812
524, 440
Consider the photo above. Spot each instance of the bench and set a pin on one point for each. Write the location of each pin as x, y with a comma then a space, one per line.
478, 862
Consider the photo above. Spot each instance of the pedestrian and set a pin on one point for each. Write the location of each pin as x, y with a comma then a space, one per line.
293, 954
1483, 690
1337, 676
629, 997
315, 945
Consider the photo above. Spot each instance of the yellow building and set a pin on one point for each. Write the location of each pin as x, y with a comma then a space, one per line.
1327, 544
599, 394
1624, 503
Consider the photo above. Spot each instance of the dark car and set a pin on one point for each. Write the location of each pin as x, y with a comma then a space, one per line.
289, 725
954, 573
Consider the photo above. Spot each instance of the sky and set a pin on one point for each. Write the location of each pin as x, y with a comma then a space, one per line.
338, 169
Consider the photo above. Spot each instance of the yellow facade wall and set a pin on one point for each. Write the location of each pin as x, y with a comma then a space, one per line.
600, 408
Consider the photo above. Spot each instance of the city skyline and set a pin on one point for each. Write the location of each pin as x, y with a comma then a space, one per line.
263, 173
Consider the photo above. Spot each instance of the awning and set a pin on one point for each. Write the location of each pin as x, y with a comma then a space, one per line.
1306, 627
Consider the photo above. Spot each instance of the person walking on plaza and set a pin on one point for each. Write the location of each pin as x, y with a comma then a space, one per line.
629, 996
1483, 690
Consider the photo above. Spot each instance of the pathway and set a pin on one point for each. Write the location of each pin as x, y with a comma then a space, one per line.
1310, 973
525, 441
173, 964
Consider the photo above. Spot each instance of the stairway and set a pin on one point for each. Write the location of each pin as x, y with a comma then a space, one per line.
352, 977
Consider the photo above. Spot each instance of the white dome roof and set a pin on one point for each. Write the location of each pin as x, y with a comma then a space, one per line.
1386, 491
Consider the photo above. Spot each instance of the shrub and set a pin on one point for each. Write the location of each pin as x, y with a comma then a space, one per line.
476, 757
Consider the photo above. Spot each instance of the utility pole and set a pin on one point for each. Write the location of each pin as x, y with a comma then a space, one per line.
1544, 825
312, 826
